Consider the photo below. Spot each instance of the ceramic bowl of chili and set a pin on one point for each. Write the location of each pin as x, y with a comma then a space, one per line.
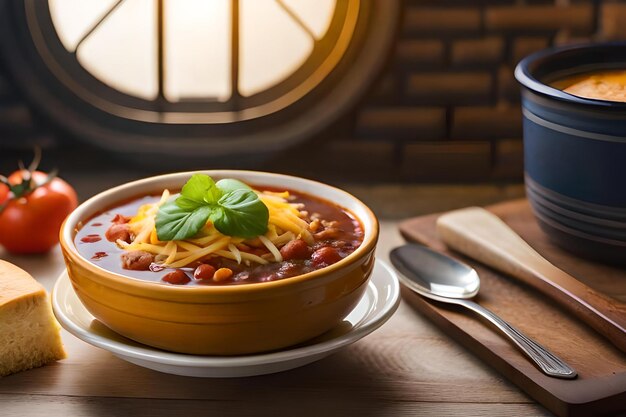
221, 319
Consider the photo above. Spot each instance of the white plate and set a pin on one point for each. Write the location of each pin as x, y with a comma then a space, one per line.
379, 302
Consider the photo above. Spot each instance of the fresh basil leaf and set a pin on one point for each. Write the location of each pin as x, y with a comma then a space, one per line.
234, 208
197, 191
240, 213
212, 193
176, 223
196, 186
227, 185
189, 204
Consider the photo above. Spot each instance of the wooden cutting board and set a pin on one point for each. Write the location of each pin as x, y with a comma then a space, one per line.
601, 385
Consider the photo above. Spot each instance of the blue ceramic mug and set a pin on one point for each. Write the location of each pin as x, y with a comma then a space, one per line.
575, 152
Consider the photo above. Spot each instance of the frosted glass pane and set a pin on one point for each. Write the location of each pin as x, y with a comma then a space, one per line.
122, 52
316, 14
197, 49
72, 19
272, 45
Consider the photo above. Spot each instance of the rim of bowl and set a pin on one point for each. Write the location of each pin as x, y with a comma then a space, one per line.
525, 78
85, 210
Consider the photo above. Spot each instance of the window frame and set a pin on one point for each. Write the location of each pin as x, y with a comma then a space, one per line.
238, 141
75, 77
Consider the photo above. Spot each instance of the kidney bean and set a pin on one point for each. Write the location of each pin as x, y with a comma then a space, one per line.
296, 249
325, 256
177, 277
137, 260
204, 271
120, 219
118, 231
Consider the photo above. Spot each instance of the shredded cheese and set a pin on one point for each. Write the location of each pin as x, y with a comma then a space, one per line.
172, 248
236, 252
283, 239
220, 244
187, 245
244, 255
287, 222
272, 248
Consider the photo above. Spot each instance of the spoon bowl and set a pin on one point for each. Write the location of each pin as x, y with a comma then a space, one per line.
433, 274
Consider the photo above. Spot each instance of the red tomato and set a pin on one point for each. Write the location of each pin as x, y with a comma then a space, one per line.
4, 193
30, 223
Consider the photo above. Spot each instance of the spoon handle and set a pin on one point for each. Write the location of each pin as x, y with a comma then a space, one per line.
549, 363
481, 235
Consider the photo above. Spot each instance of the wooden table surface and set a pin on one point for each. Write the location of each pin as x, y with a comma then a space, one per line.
405, 368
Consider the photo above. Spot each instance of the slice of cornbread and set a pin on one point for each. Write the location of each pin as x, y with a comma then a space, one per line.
29, 333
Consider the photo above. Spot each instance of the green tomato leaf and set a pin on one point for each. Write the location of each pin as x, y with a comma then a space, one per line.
240, 212
20, 189
228, 184
177, 223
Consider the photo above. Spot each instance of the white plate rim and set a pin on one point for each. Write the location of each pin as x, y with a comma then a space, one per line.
386, 278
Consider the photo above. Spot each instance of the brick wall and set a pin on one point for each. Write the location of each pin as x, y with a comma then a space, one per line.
447, 108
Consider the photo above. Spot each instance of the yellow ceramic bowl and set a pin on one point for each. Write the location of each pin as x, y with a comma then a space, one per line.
221, 320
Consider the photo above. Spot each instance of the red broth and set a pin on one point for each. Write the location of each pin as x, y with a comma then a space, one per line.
347, 236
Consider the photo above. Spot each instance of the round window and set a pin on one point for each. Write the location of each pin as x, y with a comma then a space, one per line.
196, 78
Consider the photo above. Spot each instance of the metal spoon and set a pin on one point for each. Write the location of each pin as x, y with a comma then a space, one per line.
442, 278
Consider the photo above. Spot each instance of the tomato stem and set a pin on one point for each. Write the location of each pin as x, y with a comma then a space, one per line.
28, 183
36, 159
